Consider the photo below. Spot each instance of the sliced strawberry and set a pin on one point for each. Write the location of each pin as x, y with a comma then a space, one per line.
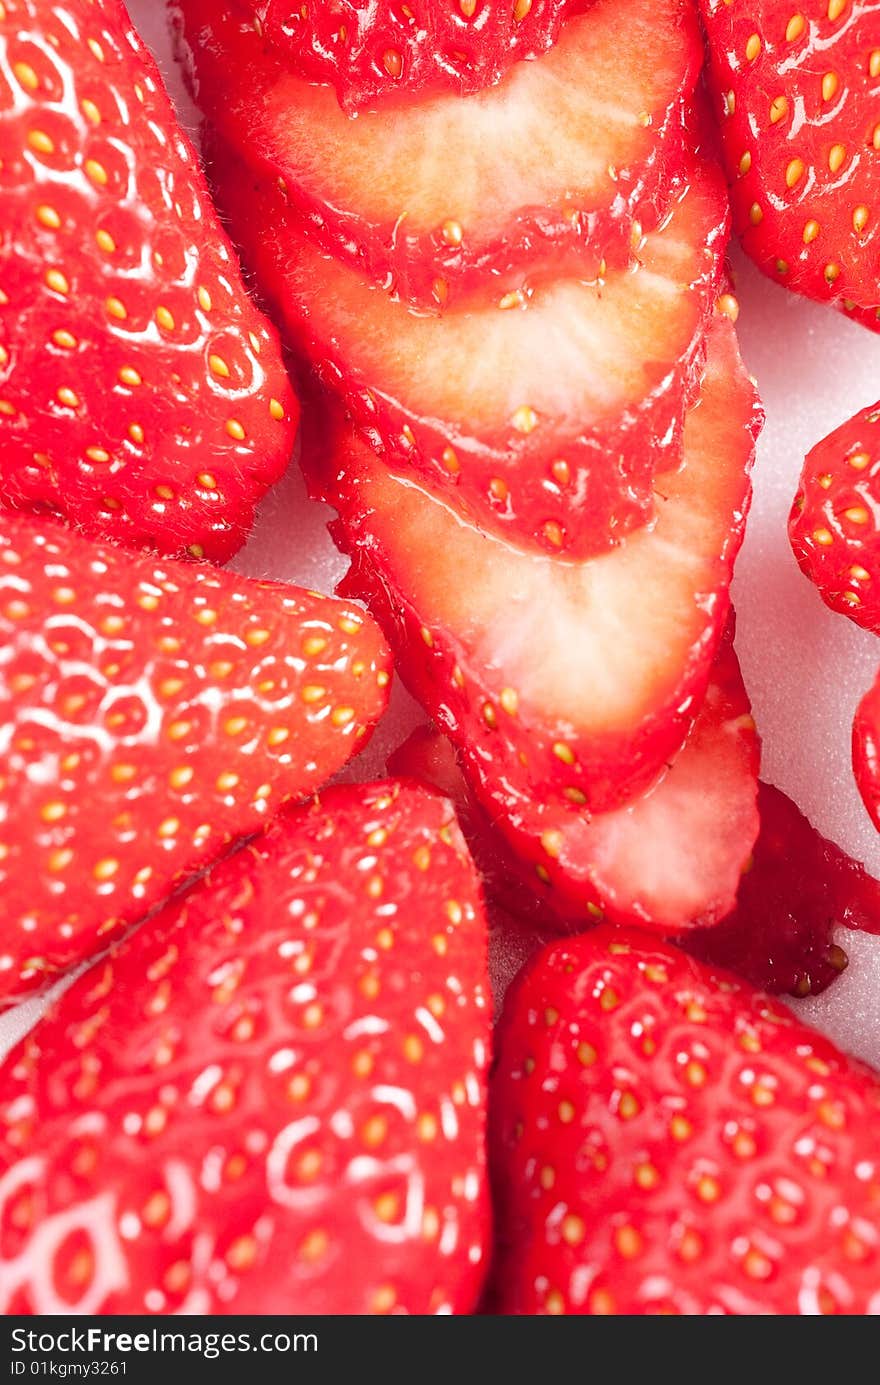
667, 1140
797, 94
669, 860
797, 891
142, 395
835, 520
572, 683
547, 418
548, 166
866, 751
672, 859
272, 1098
371, 52
151, 713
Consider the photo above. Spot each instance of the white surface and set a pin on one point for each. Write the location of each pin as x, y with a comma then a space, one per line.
805, 667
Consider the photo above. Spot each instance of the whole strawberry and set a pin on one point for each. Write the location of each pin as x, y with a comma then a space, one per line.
835, 520
796, 90
151, 712
371, 51
667, 1140
271, 1099
141, 393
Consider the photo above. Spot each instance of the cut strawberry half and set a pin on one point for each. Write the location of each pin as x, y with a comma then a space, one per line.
142, 395
372, 52
452, 194
548, 417
572, 682
272, 1098
835, 520
797, 95
152, 712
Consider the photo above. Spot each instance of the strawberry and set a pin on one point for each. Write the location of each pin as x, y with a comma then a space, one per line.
866, 751
796, 90
667, 1140
152, 711
549, 168
834, 525
571, 683
142, 395
547, 417
670, 860
798, 890
271, 1099
372, 52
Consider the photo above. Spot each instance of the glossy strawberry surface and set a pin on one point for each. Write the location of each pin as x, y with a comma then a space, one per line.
152, 711
549, 169
835, 519
375, 50
866, 750
795, 88
667, 1140
271, 1099
142, 395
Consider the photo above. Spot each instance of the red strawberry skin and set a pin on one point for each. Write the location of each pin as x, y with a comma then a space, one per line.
667, 1140
375, 52
798, 889
152, 712
834, 528
531, 194
796, 92
866, 750
272, 1098
142, 395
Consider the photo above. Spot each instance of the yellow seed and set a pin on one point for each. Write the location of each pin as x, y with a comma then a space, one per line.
811, 231
68, 398
136, 433
40, 142
795, 27
90, 111
756, 215
874, 63
66, 340
836, 8
753, 47
105, 242
204, 298
794, 172
235, 429
856, 514
860, 218
276, 409
525, 419
729, 306
217, 365
859, 460
573, 1229
830, 83
99, 455
116, 308
26, 75
521, 9
745, 163
778, 109
836, 156
165, 318
509, 701
129, 376
96, 172
48, 217
564, 753
57, 282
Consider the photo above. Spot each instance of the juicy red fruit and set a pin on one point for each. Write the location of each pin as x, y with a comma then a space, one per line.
153, 711
142, 395
798, 890
796, 91
866, 751
373, 51
667, 1140
549, 169
272, 1099
834, 527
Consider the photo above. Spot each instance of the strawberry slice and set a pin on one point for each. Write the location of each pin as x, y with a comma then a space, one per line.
142, 395
572, 682
799, 888
152, 711
547, 418
667, 1140
797, 93
548, 167
835, 520
272, 1098
671, 860
866, 751
372, 52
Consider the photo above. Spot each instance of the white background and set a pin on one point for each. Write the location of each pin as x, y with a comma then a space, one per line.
805, 668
